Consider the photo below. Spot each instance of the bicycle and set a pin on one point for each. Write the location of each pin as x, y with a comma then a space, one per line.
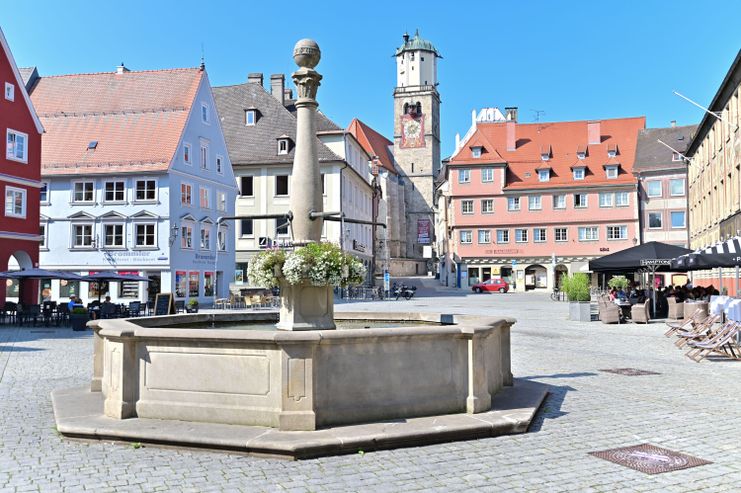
557, 295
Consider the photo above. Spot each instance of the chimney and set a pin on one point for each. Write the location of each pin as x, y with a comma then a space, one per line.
510, 113
122, 69
594, 135
287, 93
255, 78
511, 135
674, 123
277, 84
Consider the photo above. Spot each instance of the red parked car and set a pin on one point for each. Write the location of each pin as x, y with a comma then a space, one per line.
494, 284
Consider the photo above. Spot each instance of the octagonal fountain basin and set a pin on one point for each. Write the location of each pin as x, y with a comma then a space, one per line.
234, 368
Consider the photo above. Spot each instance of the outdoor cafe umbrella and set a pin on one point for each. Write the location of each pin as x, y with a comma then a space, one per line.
38, 274
721, 255
650, 257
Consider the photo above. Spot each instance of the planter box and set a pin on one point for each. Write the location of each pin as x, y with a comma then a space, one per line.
580, 311
78, 321
189, 309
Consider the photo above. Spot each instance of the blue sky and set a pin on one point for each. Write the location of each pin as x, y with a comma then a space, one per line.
570, 60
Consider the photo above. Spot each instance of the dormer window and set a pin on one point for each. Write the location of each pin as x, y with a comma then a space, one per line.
611, 172
283, 145
250, 117
544, 175
676, 156
545, 153
612, 150
578, 173
581, 152
476, 151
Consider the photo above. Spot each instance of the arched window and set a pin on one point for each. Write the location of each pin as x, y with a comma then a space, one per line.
419, 108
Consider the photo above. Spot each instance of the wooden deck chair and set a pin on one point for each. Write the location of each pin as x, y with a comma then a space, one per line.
247, 300
698, 332
723, 340
696, 317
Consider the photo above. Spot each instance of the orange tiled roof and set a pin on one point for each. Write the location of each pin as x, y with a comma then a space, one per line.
373, 143
564, 139
137, 119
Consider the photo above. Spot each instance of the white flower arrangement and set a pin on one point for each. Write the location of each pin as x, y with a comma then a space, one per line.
319, 264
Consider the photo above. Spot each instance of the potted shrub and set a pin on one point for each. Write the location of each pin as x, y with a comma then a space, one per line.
192, 306
618, 282
79, 318
576, 287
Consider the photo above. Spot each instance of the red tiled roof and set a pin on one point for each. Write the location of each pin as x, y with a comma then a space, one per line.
137, 118
564, 139
373, 143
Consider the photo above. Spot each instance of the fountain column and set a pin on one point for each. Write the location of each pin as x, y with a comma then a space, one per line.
306, 187
306, 307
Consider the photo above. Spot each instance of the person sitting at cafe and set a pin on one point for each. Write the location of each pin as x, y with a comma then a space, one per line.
72, 302
107, 308
621, 295
633, 296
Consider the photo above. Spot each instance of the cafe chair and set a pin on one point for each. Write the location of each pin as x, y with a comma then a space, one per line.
639, 312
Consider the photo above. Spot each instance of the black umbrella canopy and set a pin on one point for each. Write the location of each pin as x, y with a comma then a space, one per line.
40, 274
653, 255
723, 254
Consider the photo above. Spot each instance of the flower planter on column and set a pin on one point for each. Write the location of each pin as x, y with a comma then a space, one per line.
306, 307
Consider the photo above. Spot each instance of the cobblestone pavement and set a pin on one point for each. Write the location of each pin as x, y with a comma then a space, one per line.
691, 408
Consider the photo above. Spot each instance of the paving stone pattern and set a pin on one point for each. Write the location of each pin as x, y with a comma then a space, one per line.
690, 408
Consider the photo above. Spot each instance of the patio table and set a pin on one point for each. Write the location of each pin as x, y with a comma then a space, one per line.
719, 304
733, 310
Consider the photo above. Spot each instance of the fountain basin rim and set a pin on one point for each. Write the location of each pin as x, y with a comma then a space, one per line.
128, 328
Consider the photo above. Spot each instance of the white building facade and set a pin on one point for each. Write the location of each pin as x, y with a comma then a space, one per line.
136, 183
260, 129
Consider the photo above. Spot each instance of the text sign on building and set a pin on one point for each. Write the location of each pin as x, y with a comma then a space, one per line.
655, 261
424, 227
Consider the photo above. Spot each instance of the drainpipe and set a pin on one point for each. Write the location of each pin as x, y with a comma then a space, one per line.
342, 216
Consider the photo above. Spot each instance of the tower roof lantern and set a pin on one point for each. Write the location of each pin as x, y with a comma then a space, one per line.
417, 43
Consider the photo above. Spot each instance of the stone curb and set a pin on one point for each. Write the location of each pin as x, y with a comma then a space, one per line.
79, 414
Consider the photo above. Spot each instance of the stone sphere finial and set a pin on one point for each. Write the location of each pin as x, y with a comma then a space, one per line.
306, 53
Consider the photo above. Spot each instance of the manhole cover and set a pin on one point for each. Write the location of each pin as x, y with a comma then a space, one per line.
630, 372
650, 459
43, 332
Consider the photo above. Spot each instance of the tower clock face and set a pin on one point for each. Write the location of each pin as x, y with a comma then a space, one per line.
412, 131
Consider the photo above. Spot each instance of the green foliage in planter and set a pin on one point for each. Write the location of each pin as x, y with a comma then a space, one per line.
318, 264
576, 287
618, 282
78, 310
193, 303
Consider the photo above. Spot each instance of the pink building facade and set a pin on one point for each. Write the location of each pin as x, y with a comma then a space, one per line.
533, 202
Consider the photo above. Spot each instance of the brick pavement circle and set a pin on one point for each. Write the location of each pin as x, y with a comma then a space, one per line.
650, 459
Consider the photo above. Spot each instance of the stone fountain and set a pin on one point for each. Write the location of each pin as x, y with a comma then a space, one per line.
305, 389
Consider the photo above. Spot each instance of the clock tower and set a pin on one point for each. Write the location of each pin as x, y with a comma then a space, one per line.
417, 140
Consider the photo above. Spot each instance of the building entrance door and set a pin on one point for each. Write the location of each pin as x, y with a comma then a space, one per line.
153, 288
